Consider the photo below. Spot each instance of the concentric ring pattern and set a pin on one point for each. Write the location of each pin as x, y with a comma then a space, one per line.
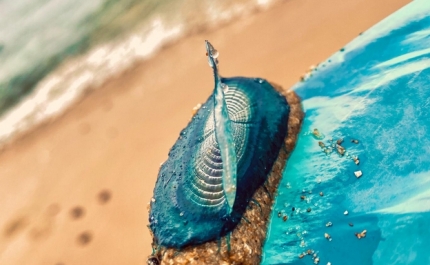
189, 204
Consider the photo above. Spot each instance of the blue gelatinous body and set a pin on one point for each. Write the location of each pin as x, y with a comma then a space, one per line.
190, 205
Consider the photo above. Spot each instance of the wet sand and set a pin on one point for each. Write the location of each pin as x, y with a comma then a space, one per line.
75, 191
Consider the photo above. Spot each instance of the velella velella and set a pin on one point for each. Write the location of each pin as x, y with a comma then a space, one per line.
219, 160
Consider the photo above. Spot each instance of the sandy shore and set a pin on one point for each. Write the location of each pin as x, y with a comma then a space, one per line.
115, 138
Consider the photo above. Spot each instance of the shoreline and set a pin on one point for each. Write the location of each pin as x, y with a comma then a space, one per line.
159, 35
115, 137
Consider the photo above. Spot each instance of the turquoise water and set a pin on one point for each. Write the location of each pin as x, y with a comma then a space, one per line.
375, 90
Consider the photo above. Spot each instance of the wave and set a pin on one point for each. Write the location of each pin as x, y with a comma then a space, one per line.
120, 34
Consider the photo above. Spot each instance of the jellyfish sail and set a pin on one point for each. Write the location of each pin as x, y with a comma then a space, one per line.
223, 132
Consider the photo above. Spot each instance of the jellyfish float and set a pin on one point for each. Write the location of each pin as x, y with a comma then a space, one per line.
219, 167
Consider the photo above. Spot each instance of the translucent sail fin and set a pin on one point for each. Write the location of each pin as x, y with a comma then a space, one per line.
223, 132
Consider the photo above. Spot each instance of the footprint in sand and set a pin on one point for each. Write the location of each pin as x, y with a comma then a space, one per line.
77, 212
104, 196
15, 226
84, 238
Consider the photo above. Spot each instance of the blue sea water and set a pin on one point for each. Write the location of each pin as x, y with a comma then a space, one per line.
375, 90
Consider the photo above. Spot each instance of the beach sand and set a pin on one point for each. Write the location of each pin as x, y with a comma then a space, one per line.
75, 191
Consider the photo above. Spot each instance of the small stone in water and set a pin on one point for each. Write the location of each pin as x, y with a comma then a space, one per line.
345, 213
285, 218
351, 224
340, 150
309, 210
327, 236
303, 197
317, 135
339, 141
321, 194
356, 161
358, 174
293, 209
328, 224
301, 255
361, 235
354, 141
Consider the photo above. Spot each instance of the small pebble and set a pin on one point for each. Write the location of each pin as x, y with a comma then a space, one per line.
303, 197
328, 224
354, 141
301, 255
308, 210
104, 196
361, 235
285, 218
316, 260
358, 174
351, 224
84, 238
327, 236
321, 194
339, 141
340, 150
293, 209
279, 214
345, 212
328, 263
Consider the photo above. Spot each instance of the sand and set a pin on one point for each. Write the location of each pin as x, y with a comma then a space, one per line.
114, 140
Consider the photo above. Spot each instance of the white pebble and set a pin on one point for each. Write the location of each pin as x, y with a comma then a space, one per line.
358, 173
345, 213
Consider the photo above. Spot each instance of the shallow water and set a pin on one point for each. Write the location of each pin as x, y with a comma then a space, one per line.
374, 90
52, 51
